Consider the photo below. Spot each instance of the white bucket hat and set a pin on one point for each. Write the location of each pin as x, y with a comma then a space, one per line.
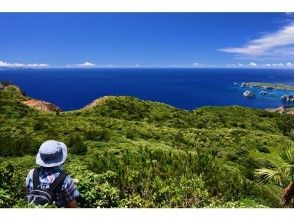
51, 153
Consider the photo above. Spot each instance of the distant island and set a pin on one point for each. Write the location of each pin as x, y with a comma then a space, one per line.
286, 98
263, 85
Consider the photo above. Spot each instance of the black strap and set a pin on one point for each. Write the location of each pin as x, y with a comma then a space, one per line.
36, 180
58, 181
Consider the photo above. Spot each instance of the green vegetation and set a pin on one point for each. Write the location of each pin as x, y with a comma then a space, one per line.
282, 175
125, 152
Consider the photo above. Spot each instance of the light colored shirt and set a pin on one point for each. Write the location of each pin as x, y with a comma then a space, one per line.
64, 194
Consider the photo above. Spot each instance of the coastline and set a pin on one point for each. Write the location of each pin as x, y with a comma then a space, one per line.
50, 107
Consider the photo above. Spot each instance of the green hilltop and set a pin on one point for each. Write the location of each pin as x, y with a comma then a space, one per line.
125, 152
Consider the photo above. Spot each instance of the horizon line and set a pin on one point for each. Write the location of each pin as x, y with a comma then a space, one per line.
147, 67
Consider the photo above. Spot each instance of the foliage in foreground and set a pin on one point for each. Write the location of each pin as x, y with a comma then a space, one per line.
124, 152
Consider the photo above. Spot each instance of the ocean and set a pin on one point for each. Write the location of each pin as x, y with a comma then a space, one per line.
180, 87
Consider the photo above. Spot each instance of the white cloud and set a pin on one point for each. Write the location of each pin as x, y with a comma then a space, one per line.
38, 65
278, 43
280, 65
241, 65
261, 65
21, 65
252, 64
195, 63
85, 64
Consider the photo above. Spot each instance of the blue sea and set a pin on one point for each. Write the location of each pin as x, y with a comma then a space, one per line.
183, 88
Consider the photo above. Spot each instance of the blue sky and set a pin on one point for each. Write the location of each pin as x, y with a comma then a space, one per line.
146, 40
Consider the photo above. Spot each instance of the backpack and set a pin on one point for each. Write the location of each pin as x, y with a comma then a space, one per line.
40, 196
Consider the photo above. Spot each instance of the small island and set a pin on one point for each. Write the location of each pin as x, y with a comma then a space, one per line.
248, 94
269, 86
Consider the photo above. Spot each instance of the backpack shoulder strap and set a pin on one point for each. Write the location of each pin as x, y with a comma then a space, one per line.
36, 180
58, 181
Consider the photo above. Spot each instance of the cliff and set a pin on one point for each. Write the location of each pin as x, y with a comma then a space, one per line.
42, 105
13, 91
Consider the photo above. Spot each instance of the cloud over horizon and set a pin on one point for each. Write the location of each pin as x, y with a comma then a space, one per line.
276, 44
21, 65
85, 64
261, 65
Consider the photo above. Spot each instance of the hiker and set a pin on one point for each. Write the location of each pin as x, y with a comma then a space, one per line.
48, 182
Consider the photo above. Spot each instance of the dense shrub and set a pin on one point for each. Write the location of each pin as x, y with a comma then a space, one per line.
39, 125
125, 152
12, 183
18, 146
263, 149
98, 135
76, 145
286, 124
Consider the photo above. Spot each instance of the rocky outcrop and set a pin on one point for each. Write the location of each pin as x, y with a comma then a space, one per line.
287, 98
42, 105
282, 110
4, 84
263, 92
7, 84
33, 103
248, 94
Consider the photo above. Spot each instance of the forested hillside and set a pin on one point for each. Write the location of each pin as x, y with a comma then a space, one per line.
125, 152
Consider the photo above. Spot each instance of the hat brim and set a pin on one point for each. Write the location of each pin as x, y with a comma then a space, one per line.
52, 163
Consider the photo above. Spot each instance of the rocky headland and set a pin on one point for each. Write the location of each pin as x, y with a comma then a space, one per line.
33, 103
282, 110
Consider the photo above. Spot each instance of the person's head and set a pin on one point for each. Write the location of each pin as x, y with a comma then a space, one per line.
51, 154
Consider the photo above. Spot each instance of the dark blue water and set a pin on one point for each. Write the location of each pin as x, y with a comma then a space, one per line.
183, 88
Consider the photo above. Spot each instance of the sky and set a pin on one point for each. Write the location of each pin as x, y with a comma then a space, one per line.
45, 40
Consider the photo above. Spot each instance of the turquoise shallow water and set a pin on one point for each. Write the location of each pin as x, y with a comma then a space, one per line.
183, 88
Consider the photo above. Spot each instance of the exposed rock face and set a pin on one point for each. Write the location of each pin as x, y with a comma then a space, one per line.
42, 105
287, 98
282, 110
6, 83
263, 93
34, 103
248, 94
